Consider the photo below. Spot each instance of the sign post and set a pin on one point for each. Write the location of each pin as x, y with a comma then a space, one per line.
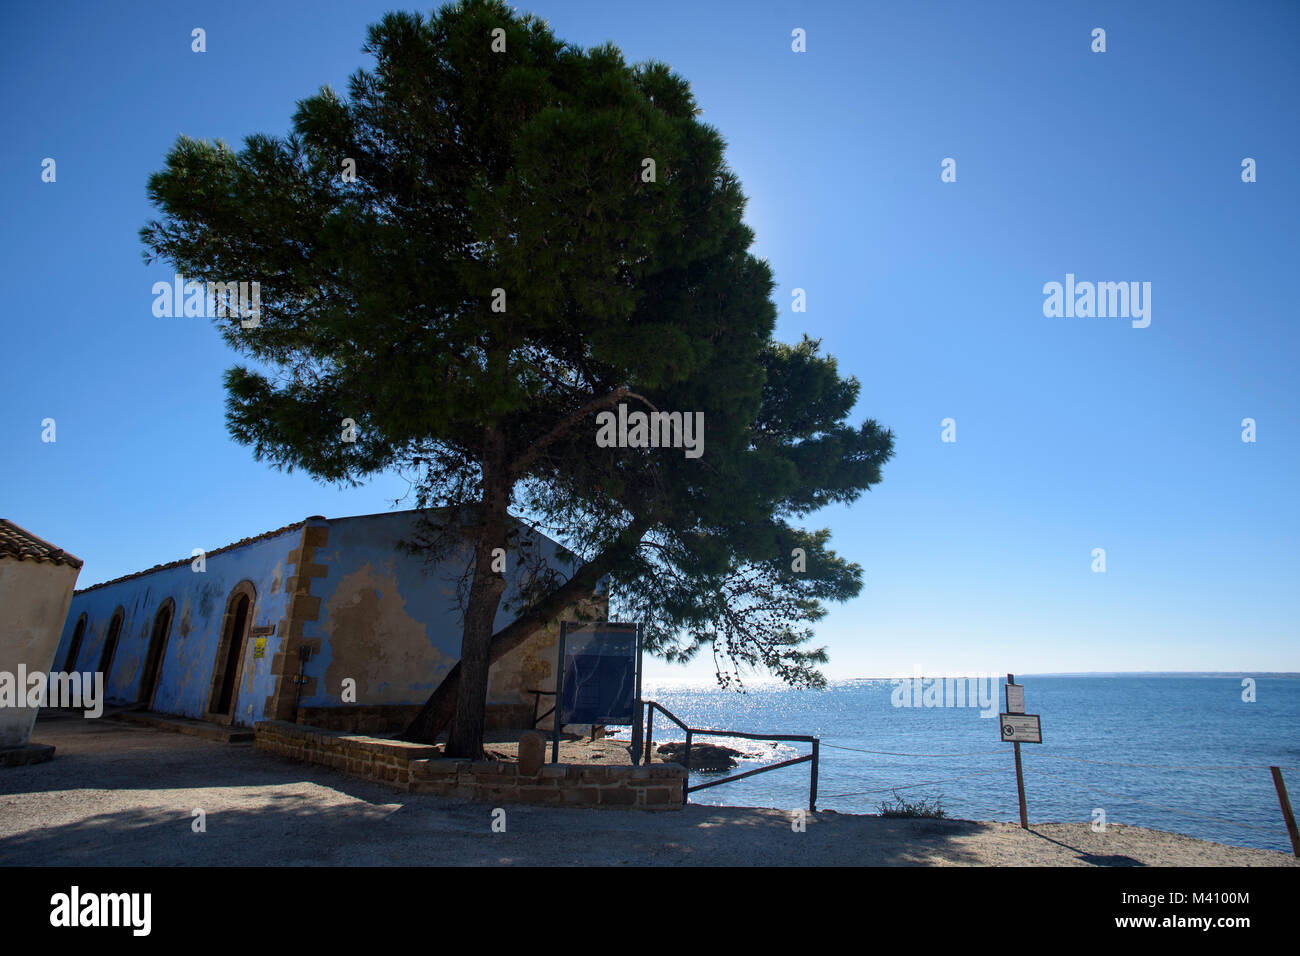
1017, 728
559, 696
637, 730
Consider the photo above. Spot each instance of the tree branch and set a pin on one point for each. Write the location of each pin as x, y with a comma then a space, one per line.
520, 465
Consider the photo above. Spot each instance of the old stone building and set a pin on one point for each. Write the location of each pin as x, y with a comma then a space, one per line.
36, 581
288, 624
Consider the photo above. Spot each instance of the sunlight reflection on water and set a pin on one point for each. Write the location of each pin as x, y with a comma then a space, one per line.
1184, 720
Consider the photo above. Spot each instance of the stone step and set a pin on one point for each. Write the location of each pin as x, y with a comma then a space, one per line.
25, 754
195, 728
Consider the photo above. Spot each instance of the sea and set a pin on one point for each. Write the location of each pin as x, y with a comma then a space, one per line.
1188, 753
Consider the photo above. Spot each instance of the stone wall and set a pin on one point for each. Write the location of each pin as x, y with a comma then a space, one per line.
359, 719
376, 758
417, 768
657, 787
394, 718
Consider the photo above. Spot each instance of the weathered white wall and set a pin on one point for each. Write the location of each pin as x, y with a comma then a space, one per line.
34, 599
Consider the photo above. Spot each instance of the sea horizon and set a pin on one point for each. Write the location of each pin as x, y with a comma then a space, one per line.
1183, 752
774, 682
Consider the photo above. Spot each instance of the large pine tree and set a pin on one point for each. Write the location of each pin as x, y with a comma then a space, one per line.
495, 237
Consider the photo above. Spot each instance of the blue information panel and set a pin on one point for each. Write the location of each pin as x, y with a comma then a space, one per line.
600, 663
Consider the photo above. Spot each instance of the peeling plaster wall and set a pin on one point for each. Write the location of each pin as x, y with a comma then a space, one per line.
394, 626
385, 621
185, 672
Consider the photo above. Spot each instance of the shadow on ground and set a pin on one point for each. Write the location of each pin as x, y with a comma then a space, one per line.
1092, 859
119, 794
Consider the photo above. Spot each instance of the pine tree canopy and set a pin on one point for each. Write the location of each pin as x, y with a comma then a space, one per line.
494, 238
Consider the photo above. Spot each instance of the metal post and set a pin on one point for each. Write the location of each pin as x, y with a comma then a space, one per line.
686, 784
812, 790
1020, 775
636, 726
649, 730
1020, 789
559, 696
1287, 815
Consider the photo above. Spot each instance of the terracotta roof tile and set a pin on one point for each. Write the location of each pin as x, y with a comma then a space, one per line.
16, 542
178, 563
237, 544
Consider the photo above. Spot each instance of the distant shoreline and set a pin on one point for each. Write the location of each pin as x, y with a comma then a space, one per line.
771, 682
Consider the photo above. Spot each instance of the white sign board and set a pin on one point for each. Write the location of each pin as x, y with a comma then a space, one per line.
1021, 728
1015, 698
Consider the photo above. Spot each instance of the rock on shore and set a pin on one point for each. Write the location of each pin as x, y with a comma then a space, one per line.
703, 756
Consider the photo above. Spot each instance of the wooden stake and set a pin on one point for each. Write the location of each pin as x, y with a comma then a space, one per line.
1287, 815
1020, 775
1020, 789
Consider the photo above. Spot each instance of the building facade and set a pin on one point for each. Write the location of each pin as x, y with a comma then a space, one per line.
328, 622
36, 582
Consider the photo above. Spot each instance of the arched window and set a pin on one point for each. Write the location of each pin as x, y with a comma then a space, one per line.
153, 658
74, 648
228, 667
110, 644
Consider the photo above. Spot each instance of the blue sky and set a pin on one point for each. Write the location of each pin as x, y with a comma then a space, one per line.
1072, 433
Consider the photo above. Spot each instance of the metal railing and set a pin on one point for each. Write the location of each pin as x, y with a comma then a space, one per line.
691, 732
537, 702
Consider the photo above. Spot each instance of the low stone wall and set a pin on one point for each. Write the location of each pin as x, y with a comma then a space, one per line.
388, 761
417, 768
357, 719
657, 787
393, 718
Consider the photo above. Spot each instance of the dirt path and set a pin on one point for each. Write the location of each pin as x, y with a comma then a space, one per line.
117, 794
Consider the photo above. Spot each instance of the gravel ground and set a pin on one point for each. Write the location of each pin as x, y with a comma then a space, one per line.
117, 794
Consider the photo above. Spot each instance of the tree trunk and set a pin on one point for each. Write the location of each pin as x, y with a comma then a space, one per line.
466, 737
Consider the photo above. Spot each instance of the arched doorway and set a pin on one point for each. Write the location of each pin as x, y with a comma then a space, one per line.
228, 667
110, 646
74, 648
162, 629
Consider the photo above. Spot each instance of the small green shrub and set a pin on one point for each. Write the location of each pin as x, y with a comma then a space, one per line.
920, 808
